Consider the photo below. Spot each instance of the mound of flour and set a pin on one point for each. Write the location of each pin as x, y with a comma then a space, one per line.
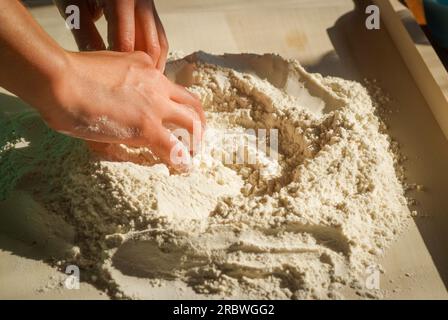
302, 222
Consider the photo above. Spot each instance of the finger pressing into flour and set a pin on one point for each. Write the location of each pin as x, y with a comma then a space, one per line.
186, 125
169, 149
185, 117
182, 96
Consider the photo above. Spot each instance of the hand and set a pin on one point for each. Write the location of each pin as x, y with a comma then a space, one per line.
133, 25
114, 97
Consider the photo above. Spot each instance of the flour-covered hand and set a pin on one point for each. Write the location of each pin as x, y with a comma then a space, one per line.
115, 97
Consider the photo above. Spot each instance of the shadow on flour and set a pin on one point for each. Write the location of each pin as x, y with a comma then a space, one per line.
25, 228
146, 259
327, 237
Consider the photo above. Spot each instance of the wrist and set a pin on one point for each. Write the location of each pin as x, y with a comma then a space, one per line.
51, 79
64, 85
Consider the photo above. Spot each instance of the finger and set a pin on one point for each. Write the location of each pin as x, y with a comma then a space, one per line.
163, 41
182, 96
87, 36
185, 124
185, 118
169, 149
120, 25
147, 38
182, 116
95, 9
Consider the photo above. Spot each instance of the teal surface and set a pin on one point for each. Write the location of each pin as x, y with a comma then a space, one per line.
436, 12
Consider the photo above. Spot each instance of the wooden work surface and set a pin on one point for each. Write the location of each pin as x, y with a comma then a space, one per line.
327, 37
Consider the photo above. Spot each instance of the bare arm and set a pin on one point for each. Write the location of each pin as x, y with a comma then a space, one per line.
29, 58
102, 96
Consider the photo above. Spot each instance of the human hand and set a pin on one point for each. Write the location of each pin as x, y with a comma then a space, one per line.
133, 25
114, 97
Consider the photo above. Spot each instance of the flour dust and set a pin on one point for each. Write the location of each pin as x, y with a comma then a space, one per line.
302, 222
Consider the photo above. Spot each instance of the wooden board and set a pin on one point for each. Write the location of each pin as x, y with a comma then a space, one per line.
330, 37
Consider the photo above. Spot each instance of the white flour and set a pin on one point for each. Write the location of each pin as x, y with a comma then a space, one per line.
299, 226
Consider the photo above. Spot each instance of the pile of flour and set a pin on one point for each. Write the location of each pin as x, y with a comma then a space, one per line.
301, 223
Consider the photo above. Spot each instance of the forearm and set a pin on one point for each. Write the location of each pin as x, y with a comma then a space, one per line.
29, 59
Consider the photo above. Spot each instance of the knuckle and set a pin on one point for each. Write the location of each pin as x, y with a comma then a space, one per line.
147, 124
143, 59
154, 50
139, 55
125, 45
